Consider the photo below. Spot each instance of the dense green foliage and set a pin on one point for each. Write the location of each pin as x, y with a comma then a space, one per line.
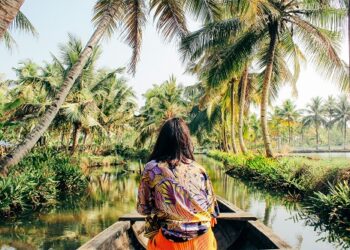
297, 175
38, 181
323, 185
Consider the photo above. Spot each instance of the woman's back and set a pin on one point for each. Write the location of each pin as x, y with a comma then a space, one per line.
181, 198
176, 194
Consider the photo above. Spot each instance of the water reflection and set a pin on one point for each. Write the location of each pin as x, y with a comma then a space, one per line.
76, 220
113, 192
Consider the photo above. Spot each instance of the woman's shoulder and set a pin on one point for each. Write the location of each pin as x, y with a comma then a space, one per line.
150, 165
198, 167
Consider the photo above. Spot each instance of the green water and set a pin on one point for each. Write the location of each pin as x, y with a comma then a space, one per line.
113, 193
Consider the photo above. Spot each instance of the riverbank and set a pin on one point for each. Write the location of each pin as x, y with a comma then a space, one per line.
322, 184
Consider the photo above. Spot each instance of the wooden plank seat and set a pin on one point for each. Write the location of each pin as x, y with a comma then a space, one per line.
240, 216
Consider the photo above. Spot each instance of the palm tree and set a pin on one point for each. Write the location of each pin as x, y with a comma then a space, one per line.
233, 85
329, 110
314, 116
289, 114
275, 30
242, 107
342, 115
8, 12
162, 102
108, 14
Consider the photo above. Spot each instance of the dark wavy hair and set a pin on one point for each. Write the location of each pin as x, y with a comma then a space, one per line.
174, 143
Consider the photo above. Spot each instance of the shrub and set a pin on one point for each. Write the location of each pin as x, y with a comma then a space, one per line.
36, 182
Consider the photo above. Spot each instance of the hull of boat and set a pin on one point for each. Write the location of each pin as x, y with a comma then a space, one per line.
236, 229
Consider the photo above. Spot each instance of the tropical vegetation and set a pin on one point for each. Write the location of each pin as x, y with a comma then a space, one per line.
62, 117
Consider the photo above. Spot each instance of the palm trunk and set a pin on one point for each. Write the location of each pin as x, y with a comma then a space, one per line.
62, 138
345, 134
233, 115
29, 141
224, 139
8, 12
75, 137
266, 92
241, 110
316, 137
329, 139
289, 133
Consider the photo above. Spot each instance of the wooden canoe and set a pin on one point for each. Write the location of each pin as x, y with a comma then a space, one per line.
236, 229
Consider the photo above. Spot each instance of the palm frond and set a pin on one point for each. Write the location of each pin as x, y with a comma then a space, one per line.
207, 10
105, 7
233, 58
9, 41
21, 22
321, 48
170, 17
212, 35
134, 21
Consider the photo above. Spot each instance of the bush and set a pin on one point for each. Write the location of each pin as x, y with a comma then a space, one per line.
37, 181
327, 183
132, 154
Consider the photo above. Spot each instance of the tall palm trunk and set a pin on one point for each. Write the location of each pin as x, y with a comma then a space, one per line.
345, 134
8, 11
29, 141
75, 136
316, 137
289, 132
224, 134
241, 110
266, 91
329, 139
233, 116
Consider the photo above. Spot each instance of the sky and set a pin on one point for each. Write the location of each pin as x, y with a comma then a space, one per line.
159, 59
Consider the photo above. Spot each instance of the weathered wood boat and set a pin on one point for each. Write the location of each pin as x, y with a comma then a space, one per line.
236, 229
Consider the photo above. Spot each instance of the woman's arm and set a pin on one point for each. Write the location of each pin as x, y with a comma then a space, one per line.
144, 201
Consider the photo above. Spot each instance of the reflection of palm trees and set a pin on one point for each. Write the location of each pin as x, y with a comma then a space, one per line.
267, 212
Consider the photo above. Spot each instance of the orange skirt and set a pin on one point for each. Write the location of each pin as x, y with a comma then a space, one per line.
206, 241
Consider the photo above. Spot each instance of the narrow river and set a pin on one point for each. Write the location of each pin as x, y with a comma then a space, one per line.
113, 193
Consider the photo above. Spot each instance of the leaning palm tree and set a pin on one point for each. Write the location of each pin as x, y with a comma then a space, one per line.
277, 30
314, 116
342, 116
170, 16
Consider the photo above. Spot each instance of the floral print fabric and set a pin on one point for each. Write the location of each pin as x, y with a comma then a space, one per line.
178, 200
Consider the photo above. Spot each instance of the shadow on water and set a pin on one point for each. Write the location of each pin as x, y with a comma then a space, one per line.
112, 192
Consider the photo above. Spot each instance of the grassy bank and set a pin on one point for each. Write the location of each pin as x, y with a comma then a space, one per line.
323, 185
38, 182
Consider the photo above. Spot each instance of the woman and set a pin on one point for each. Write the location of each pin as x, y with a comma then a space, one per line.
176, 194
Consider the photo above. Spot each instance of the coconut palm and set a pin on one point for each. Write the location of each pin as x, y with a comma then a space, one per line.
277, 30
342, 116
162, 102
8, 12
289, 114
170, 16
329, 110
314, 115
